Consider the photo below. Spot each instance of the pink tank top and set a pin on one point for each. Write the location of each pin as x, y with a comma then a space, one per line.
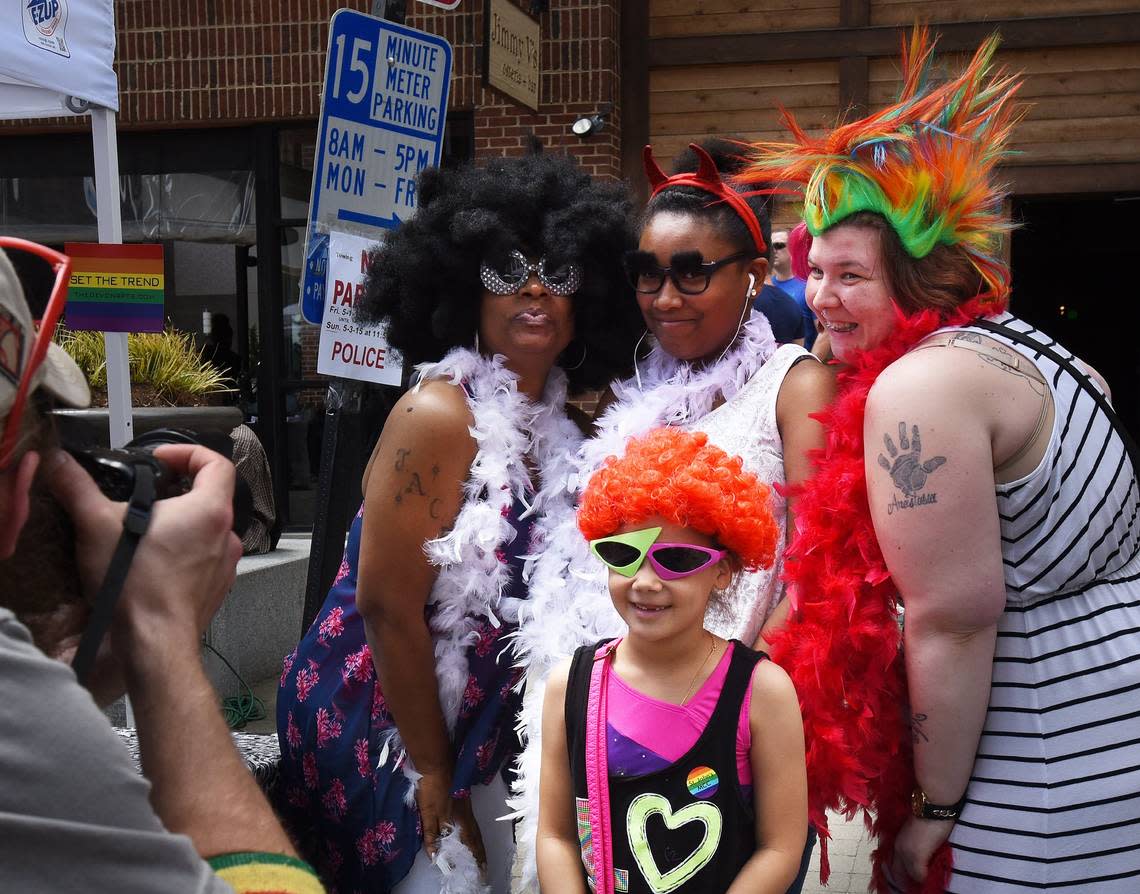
635, 719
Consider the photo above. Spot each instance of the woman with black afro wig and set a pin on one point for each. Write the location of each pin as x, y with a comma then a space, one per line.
424, 281
396, 711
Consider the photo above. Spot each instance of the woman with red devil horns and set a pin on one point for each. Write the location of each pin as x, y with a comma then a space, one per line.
975, 471
713, 366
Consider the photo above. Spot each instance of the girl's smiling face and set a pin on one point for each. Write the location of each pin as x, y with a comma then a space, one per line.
659, 609
848, 289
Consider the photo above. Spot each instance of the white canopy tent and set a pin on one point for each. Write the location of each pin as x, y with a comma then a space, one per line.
56, 59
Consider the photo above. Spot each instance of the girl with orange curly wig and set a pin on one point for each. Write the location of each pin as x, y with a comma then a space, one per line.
672, 760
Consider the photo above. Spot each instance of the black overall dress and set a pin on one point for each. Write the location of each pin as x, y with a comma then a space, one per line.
687, 827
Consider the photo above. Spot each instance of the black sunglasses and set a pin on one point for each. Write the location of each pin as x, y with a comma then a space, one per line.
689, 273
779, 245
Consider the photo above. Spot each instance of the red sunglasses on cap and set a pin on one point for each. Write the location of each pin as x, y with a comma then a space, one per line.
61, 264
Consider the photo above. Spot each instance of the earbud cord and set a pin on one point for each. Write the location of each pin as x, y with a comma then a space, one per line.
636, 371
739, 326
732, 341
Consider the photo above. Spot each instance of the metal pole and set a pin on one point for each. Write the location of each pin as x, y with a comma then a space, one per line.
392, 10
105, 143
336, 491
345, 442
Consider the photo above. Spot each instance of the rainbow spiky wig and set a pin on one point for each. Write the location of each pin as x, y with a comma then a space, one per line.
679, 476
924, 163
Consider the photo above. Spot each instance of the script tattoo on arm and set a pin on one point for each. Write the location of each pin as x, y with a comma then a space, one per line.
415, 486
917, 733
908, 471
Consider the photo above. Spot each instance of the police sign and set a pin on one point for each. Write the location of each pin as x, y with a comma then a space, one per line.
382, 118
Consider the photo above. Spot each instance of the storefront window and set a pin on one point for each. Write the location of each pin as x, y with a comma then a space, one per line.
210, 206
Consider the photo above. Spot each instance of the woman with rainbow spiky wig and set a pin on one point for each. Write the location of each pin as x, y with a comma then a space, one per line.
975, 471
672, 760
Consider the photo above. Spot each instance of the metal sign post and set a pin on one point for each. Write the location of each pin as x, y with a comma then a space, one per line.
382, 121
110, 219
383, 114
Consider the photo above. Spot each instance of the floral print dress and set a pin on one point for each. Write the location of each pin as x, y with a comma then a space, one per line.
348, 810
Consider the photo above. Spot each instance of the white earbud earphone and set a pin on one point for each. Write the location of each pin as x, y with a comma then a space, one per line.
751, 284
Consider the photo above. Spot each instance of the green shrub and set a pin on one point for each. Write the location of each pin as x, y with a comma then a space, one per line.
165, 366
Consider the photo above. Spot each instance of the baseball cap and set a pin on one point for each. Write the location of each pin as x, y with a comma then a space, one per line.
55, 372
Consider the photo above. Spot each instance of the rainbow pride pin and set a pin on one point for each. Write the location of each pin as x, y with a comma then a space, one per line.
702, 782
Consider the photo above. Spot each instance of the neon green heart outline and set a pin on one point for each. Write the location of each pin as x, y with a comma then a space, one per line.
636, 820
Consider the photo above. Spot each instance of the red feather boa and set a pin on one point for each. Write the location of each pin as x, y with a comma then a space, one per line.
841, 644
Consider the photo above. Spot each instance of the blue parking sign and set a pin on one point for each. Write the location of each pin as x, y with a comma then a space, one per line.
383, 113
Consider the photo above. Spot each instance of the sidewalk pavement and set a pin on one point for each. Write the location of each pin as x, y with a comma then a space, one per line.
850, 855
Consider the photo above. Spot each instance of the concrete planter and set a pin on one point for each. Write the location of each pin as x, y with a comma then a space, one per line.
90, 427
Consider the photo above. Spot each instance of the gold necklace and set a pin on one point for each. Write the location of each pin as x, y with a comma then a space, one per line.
692, 682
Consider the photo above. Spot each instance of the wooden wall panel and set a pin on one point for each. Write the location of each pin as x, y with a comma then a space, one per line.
673, 18
1084, 103
906, 12
688, 104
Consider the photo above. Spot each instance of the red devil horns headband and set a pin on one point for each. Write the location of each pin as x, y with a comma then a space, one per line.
707, 179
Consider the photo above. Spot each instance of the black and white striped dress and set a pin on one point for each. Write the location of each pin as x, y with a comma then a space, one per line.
1054, 799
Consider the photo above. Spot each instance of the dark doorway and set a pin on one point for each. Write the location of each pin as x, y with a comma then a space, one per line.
1071, 262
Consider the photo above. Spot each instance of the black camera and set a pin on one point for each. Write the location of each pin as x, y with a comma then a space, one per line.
114, 470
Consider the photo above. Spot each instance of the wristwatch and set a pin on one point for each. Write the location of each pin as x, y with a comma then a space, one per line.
923, 809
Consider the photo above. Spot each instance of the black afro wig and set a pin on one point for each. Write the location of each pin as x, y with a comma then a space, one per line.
424, 280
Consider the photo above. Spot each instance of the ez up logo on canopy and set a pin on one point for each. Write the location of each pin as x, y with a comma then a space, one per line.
45, 22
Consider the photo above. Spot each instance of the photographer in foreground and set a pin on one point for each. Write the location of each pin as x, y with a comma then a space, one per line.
74, 813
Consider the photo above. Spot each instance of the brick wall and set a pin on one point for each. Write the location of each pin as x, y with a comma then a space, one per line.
581, 64
227, 62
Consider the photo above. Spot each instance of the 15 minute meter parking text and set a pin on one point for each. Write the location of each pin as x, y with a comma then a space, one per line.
382, 120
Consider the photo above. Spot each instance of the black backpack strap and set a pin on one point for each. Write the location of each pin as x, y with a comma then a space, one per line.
737, 680
577, 696
1081, 378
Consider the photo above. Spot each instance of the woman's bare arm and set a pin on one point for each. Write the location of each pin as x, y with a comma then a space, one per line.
807, 388
928, 433
413, 493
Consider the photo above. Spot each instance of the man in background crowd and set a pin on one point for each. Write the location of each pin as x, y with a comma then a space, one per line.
784, 279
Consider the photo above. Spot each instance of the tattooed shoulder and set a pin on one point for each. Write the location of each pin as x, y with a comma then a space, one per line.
998, 356
909, 472
411, 485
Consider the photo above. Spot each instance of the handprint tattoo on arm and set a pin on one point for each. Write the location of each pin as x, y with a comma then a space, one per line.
907, 469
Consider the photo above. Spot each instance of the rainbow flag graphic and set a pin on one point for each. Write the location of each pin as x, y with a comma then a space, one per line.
115, 288
702, 782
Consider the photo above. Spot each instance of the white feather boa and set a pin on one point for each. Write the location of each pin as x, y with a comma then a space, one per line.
508, 428
569, 603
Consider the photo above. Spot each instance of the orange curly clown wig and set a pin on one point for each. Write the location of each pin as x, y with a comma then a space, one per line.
681, 477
